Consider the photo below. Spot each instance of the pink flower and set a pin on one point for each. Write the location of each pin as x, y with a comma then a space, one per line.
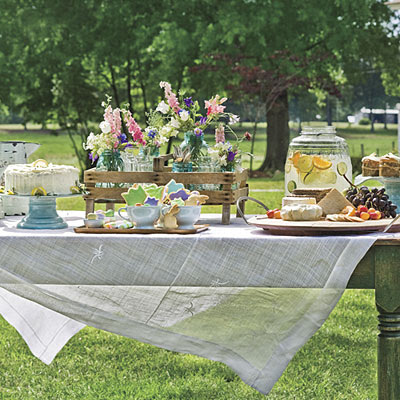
220, 134
117, 121
170, 96
134, 129
108, 117
214, 105
173, 103
247, 135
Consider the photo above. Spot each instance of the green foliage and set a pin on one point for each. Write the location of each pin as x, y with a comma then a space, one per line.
364, 121
58, 59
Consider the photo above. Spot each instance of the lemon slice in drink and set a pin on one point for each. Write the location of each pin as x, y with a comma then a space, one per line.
295, 158
305, 163
40, 163
291, 186
341, 168
38, 191
320, 163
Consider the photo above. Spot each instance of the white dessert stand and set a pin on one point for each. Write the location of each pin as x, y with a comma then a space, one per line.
42, 212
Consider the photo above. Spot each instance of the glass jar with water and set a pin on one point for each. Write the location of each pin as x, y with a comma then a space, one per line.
318, 159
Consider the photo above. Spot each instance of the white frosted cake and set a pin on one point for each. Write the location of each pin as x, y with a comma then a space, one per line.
54, 179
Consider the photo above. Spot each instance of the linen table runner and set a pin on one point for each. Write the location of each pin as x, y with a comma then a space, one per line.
232, 293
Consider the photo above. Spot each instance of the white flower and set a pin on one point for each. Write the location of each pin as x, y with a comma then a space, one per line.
184, 115
105, 127
222, 160
223, 146
214, 154
90, 141
163, 107
175, 123
163, 140
233, 119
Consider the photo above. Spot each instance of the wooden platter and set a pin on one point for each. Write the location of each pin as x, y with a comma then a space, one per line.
317, 228
197, 229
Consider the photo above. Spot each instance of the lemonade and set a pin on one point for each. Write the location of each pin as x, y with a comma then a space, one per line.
317, 159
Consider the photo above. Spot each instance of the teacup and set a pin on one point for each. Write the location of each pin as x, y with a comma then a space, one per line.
143, 217
187, 216
94, 223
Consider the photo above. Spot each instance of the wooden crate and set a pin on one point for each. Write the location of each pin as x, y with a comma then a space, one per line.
162, 175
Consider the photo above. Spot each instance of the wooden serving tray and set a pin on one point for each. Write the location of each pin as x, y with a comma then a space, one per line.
317, 228
197, 229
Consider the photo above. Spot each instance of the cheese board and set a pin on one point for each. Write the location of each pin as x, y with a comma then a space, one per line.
322, 227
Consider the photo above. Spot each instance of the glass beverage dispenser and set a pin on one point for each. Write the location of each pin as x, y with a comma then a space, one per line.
317, 159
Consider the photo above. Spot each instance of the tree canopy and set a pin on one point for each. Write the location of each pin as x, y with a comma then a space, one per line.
58, 59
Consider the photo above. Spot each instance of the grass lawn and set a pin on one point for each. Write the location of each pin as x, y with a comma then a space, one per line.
339, 362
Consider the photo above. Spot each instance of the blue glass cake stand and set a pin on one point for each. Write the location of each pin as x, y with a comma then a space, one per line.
42, 213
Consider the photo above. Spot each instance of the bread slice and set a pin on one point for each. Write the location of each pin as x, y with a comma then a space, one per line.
333, 202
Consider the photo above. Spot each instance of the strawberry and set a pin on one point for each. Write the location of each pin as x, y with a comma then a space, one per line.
270, 213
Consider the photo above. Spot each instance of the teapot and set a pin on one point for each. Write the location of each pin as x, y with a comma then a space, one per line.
15, 152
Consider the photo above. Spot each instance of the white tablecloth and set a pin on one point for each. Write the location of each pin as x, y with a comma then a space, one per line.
232, 293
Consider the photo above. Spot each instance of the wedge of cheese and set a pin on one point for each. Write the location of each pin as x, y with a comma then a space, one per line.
287, 201
333, 202
301, 212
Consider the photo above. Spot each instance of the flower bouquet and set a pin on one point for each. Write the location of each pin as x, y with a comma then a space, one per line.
106, 145
227, 155
175, 115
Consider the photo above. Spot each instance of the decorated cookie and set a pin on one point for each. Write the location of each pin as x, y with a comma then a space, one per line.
109, 213
154, 191
196, 200
100, 214
178, 202
180, 194
151, 201
134, 196
172, 186
170, 219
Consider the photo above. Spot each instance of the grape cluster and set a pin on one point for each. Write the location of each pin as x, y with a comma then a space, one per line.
374, 198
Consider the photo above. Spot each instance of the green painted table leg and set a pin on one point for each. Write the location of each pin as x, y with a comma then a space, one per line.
387, 295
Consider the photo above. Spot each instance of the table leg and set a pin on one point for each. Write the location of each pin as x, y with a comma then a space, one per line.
226, 214
89, 206
387, 296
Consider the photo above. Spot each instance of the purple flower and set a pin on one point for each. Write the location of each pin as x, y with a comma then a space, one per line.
123, 138
152, 134
198, 132
203, 120
231, 155
188, 101
93, 158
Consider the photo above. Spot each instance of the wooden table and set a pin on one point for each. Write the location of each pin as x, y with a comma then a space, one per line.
380, 270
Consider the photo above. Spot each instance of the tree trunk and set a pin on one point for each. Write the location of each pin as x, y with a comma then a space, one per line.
277, 134
129, 85
114, 85
169, 146
253, 139
371, 117
385, 118
144, 96
328, 111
